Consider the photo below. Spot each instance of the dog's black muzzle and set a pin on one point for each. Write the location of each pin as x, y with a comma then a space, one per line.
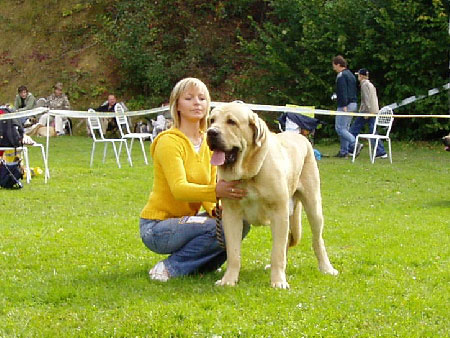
214, 139
215, 143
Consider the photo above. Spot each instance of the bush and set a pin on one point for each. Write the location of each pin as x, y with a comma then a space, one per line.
278, 52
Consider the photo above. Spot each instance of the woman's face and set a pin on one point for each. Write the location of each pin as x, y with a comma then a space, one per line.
192, 104
58, 92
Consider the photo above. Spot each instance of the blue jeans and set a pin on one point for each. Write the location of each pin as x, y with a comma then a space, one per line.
342, 126
358, 124
191, 242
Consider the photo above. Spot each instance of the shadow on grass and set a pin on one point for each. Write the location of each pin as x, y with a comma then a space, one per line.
437, 204
135, 283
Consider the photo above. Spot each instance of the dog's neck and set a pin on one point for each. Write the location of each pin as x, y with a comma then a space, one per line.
248, 164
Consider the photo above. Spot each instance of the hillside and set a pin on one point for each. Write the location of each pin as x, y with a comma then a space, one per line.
258, 51
43, 45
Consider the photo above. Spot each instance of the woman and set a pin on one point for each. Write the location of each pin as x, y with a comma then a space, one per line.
184, 181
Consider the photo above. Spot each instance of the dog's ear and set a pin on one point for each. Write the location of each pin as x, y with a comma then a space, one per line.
259, 129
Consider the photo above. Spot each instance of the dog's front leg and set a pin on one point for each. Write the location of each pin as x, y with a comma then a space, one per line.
280, 229
232, 223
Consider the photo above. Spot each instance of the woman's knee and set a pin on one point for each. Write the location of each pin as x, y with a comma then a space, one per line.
154, 239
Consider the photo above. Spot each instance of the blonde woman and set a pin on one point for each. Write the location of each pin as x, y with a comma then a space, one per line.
184, 182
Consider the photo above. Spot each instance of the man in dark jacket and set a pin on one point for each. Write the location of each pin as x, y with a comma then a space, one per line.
109, 125
346, 102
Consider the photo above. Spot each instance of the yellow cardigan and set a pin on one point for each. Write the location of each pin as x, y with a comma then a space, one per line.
183, 181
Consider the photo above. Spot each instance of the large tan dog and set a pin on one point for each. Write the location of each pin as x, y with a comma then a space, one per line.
279, 173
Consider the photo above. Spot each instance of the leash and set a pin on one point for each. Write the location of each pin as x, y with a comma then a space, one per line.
219, 228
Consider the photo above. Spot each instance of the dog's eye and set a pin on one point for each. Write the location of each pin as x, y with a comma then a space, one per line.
231, 122
211, 121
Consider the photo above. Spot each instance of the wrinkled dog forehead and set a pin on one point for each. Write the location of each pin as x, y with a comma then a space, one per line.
238, 110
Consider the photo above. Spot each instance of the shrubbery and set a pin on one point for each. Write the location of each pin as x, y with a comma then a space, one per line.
278, 52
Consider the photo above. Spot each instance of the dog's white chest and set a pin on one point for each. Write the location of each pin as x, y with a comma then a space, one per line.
254, 211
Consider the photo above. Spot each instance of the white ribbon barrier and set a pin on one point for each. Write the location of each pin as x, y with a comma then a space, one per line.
77, 113
256, 107
155, 111
24, 113
300, 110
412, 99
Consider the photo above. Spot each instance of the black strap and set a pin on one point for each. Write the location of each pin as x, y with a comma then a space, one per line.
18, 183
219, 228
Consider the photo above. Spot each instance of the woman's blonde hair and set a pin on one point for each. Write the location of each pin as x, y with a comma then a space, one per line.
178, 90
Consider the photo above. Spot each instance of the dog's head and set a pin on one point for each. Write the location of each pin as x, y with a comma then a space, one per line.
235, 134
446, 141
29, 122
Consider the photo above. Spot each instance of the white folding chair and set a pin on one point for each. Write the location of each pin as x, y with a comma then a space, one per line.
126, 134
96, 129
24, 149
383, 120
42, 102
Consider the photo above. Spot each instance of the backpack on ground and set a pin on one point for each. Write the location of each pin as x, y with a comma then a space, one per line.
10, 174
11, 131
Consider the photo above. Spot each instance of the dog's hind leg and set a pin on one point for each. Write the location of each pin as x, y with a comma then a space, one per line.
295, 223
312, 202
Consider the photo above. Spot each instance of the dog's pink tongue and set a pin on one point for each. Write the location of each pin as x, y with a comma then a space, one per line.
218, 157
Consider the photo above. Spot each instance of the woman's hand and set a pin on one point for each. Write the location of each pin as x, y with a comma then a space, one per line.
226, 189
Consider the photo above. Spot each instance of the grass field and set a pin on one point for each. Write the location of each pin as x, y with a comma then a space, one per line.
73, 265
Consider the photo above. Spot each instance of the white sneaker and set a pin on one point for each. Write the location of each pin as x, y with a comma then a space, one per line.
159, 272
382, 156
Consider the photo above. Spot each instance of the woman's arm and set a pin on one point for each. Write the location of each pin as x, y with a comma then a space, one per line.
170, 153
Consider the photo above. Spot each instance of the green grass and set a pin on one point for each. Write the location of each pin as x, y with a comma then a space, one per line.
73, 265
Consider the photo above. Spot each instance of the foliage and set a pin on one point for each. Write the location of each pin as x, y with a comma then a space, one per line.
159, 43
73, 264
403, 43
279, 52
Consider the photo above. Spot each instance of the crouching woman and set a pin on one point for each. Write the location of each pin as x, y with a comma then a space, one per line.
184, 181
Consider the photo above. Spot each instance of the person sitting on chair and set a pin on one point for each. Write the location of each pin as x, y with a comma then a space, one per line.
24, 101
108, 125
159, 125
56, 101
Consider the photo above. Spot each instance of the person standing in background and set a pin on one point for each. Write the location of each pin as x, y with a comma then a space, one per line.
369, 105
346, 102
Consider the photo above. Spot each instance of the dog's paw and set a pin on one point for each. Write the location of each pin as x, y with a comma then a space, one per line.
224, 282
329, 270
280, 285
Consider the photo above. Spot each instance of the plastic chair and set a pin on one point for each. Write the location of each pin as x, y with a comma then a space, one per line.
24, 149
94, 125
126, 134
384, 119
41, 102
